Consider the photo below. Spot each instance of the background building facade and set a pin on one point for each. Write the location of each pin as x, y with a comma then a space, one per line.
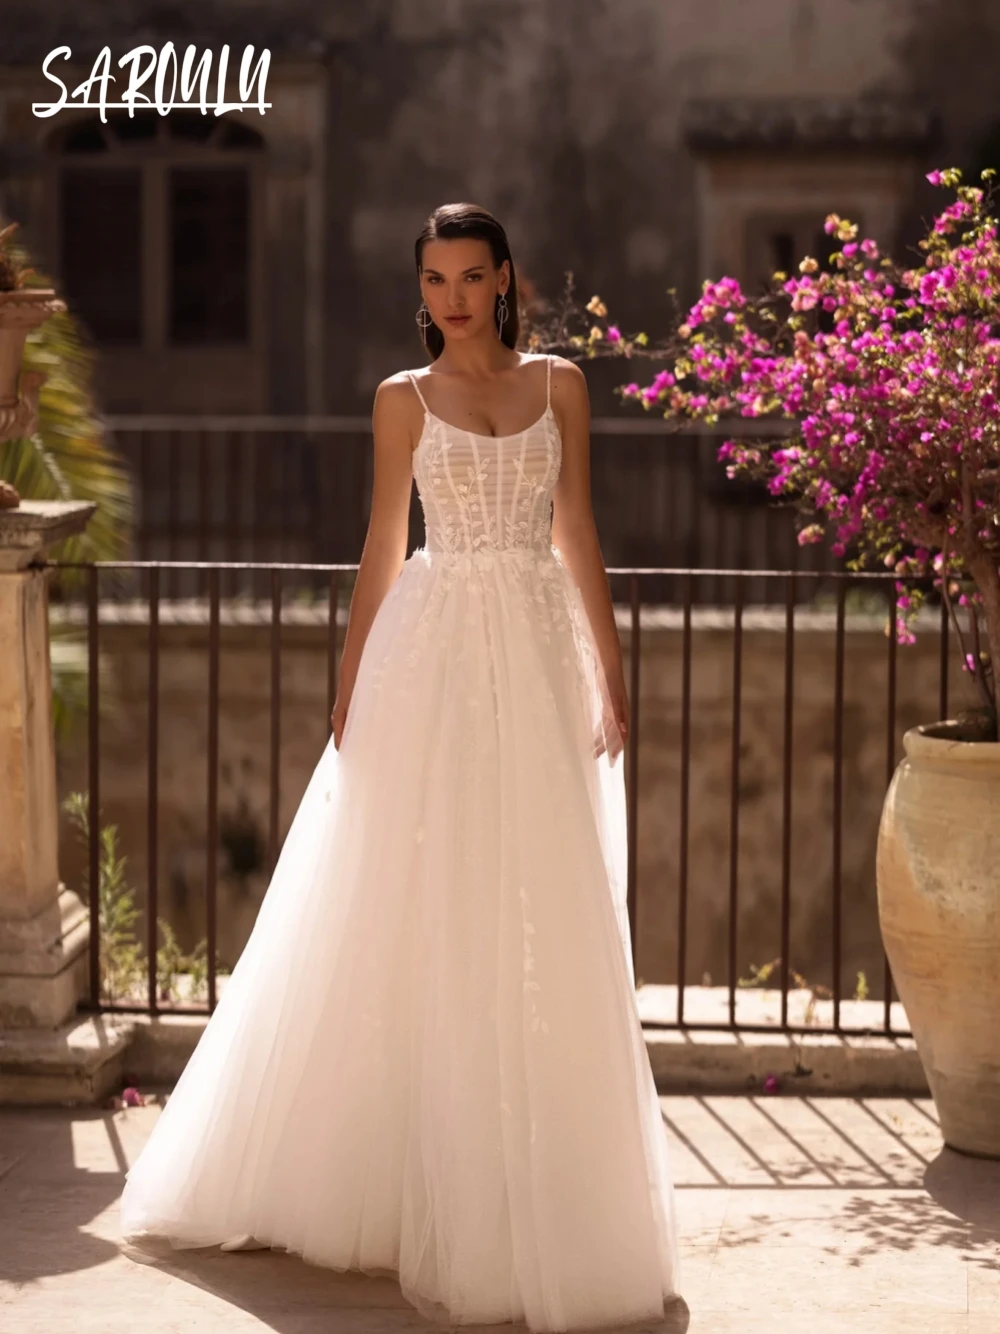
265, 264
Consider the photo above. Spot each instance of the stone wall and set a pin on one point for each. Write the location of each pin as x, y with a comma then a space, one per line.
568, 118
760, 789
244, 770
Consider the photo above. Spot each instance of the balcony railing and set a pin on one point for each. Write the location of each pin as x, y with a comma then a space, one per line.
691, 621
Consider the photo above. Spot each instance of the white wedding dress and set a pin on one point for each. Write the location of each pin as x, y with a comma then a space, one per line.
428, 1059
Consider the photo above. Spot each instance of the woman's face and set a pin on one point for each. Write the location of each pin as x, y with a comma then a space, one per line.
460, 286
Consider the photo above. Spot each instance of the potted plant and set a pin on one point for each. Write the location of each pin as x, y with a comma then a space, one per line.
888, 378
64, 457
22, 308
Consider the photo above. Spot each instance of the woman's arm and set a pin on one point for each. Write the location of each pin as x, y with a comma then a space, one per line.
575, 533
385, 542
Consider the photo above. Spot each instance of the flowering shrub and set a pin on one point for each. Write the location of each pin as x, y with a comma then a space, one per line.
890, 378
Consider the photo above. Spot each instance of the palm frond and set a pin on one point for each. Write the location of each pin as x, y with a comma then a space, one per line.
70, 456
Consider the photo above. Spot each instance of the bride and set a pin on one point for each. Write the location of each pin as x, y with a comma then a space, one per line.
428, 1059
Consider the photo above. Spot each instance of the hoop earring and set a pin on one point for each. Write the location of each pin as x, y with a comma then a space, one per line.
424, 324
502, 312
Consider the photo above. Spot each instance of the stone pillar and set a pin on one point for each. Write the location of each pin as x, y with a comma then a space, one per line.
44, 927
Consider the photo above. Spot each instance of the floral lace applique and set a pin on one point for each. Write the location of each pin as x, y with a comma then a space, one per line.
486, 494
530, 985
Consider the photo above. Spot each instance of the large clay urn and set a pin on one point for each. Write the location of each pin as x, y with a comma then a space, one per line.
21, 311
939, 908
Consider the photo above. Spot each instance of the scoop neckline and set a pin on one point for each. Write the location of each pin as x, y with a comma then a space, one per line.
482, 435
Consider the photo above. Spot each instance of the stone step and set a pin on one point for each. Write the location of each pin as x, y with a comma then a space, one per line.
78, 1064
96, 1055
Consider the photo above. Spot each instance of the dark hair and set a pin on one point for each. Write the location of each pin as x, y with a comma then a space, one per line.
451, 221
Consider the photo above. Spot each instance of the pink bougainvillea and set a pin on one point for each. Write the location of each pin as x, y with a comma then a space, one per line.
890, 375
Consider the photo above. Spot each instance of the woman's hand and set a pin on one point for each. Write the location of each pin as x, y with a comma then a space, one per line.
614, 722
338, 719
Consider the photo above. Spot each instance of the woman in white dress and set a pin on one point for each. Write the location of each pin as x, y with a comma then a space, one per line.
428, 1059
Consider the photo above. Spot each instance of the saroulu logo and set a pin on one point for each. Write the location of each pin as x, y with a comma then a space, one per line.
145, 63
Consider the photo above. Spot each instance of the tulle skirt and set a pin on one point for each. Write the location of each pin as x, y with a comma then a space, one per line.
428, 1059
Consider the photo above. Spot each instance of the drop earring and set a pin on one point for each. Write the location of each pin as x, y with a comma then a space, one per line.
424, 323
502, 312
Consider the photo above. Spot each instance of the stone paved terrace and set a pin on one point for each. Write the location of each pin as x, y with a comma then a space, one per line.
813, 1215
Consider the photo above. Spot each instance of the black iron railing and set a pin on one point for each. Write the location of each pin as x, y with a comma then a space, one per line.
628, 586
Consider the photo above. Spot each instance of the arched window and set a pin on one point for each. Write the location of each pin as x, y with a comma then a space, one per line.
155, 220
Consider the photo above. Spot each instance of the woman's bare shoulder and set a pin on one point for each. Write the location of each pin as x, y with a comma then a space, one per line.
568, 372
400, 380
395, 392
569, 384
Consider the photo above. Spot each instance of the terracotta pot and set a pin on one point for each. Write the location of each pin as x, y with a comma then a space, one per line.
938, 869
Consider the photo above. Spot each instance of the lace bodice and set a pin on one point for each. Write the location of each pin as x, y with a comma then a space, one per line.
486, 494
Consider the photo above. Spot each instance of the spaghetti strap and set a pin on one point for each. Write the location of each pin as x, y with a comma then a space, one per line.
548, 383
413, 381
